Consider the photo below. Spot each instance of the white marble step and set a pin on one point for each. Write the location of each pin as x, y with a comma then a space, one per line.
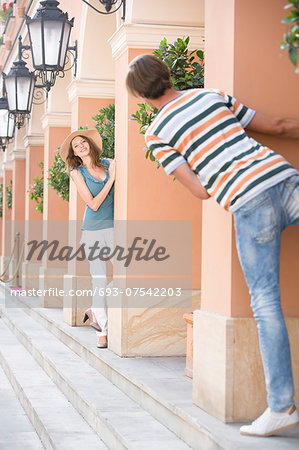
16, 430
159, 386
56, 421
121, 423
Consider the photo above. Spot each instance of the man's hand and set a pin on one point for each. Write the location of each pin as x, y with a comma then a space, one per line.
187, 177
284, 127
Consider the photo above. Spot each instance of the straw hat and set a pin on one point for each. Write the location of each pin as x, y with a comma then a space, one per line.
93, 135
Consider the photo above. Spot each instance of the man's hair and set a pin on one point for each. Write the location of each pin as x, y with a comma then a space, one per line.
148, 76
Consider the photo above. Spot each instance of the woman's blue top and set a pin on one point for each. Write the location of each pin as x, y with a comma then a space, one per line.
103, 216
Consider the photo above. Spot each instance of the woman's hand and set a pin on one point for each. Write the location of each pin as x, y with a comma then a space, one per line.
111, 169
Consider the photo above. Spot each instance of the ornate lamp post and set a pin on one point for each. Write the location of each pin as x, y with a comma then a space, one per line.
49, 34
7, 122
19, 85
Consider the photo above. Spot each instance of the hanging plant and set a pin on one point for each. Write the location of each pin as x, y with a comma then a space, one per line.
36, 190
5, 11
291, 37
8, 190
105, 124
186, 71
1, 199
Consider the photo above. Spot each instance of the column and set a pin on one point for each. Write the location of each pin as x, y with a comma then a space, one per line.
144, 193
6, 216
56, 127
34, 144
228, 382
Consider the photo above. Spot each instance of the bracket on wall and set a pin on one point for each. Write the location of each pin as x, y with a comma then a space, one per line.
108, 4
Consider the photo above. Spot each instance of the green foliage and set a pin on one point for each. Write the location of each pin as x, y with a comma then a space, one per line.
8, 190
59, 178
144, 116
36, 190
5, 13
186, 68
291, 37
186, 71
105, 124
1, 199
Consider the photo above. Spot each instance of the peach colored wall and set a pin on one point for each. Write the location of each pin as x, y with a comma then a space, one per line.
54, 136
34, 155
18, 190
89, 107
6, 217
274, 91
152, 195
248, 63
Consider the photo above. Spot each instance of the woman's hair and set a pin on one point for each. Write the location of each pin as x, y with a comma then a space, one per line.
73, 161
148, 76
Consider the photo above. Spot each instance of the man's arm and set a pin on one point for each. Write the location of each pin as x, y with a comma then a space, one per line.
187, 177
283, 127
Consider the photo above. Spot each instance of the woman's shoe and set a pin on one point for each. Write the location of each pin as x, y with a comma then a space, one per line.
92, 320
102, 342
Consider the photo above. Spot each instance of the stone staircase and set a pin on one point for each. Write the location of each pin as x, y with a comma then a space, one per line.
77, 396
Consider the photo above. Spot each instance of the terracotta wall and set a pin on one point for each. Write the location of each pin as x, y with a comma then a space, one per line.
243, 56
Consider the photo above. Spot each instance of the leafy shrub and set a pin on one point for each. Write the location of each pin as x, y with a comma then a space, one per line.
36, 190
186, 71
291, 37
105, 124
8, 190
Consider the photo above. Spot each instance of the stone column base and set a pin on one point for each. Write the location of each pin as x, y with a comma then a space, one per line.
51, 282
158, 329
228, 378
30, 275
77, 298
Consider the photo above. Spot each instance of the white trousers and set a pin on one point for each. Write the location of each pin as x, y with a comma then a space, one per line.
98, 273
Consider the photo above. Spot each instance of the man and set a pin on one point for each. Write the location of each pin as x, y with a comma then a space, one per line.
198, 136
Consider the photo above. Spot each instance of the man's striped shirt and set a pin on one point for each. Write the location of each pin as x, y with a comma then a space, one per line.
206, 129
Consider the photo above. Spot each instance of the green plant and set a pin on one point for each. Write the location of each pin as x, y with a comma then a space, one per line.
105, 124
291, 37
36, 190
186, 71
186, 68
59, 178
1, 199
8, 190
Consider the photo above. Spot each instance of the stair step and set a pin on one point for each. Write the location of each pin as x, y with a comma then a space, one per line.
16, 430
120, 421
158, 385
56, 421
151, 382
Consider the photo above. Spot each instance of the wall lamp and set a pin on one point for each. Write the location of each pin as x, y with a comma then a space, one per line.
108, 4
49, 33
7, 122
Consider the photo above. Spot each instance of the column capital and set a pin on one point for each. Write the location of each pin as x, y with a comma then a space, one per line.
34, 140
6, 165
18, 154
149, 36
56, 120
88, 88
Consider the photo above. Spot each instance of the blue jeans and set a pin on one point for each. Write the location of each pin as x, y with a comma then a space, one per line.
258, 226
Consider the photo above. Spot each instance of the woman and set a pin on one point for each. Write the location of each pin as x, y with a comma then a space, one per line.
94, 179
